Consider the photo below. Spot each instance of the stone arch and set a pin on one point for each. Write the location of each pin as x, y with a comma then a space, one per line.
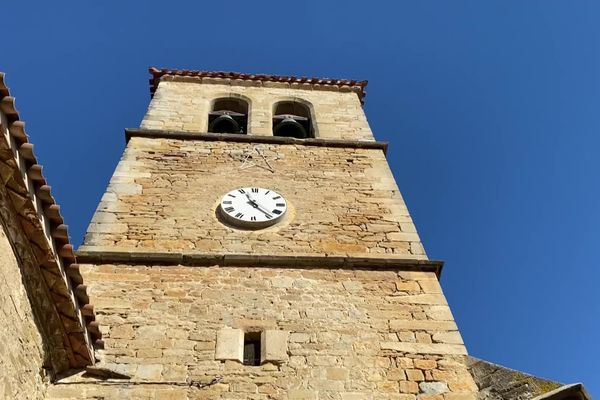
296, 106
234, 104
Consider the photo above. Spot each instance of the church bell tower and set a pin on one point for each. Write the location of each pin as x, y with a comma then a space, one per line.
253, 244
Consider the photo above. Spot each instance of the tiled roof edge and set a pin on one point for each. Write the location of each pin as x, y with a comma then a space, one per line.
343, 84
571, 391
37, 209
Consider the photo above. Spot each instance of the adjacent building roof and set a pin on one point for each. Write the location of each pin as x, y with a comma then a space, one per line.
337, 84
496, 382
65, 304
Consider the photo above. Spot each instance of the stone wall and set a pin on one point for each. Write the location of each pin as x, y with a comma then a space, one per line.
351, 334
184, 106
21, 346
164, 195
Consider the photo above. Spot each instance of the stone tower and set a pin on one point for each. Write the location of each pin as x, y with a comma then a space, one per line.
320, 289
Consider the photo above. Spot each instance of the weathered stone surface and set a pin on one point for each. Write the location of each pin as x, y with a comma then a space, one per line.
424, 348
302, 394
150, 372
447, 337
274, 344
434, 387
341, 202
425, 325
176, 328
230, 344
21, 345
184, 106
496, 382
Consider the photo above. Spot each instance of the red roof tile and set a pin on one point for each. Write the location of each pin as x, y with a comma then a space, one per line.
358, 86
70, 313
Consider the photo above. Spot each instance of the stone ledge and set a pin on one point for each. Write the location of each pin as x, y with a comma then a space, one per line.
278, 261
425, 348
233, 137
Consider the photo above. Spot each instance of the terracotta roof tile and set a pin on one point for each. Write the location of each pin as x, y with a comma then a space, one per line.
354, 85
75, 333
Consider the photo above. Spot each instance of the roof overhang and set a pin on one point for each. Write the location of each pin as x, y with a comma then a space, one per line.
293, 81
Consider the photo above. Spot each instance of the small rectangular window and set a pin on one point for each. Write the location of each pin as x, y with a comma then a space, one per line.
252, 348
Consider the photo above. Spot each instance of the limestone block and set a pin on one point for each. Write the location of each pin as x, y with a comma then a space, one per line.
355, 396
460, 396
274, 346
230, 345
425, 364
415, 375
408, 387
439, 313
424, 325
423, 299
125, 188
337, 374
448, 337
150, 372
299, 337
302, 394
431, 286
244, 387
352, 286
434, 387
409, 286
424, 348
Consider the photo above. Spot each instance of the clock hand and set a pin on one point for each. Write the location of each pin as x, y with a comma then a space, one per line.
256, 205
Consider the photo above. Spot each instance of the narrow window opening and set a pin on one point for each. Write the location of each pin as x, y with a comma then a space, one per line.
228, 115
292, 119
252, 348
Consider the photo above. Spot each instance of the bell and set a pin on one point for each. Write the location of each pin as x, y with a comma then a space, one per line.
289, 127
224, 124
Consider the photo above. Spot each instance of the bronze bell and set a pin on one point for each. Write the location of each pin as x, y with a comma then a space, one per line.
289, 126
224, 124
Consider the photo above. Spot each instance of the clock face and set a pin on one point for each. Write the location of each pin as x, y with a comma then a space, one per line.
253, 207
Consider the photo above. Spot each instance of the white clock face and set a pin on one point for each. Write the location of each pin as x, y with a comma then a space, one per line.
253, 207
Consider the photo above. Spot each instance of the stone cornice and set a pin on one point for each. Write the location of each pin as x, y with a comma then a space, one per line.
233, 78
232, 137
245, 260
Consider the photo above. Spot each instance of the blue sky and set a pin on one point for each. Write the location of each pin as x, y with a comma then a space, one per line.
490, 108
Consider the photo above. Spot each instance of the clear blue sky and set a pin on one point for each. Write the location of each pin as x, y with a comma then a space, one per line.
491, 109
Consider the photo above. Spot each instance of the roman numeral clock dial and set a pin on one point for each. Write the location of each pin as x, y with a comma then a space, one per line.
252, 207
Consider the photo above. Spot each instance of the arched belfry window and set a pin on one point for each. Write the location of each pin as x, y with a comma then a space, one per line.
228, 115
292, 119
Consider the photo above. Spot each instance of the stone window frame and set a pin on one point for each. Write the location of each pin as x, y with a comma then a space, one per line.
293, 99
230, 95
273, 349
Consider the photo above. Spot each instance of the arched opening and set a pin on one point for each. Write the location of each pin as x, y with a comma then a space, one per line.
228, 115
292, 119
